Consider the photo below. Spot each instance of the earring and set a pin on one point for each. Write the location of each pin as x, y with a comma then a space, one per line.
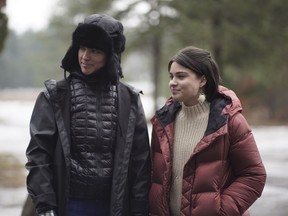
201, 98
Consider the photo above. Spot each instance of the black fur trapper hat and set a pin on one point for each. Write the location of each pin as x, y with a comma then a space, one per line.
102, 32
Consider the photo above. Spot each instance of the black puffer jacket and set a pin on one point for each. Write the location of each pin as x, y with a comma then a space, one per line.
93, 131
49, 152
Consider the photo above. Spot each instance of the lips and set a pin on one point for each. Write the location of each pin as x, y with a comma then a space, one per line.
84, 65
174, 91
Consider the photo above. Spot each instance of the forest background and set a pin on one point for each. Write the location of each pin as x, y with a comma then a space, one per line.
248, 39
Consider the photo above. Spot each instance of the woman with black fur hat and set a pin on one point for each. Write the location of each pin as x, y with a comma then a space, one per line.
89, 149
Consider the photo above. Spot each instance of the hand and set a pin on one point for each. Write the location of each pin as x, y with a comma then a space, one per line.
48, 213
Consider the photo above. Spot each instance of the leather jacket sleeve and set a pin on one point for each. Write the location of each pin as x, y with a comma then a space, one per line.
140, 166
40, 153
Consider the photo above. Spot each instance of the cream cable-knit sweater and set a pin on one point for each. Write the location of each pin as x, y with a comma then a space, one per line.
190, 125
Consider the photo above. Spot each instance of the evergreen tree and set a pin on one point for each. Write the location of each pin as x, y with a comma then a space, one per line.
3, 25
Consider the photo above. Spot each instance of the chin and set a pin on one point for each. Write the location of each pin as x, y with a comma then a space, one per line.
87, 72
176, 98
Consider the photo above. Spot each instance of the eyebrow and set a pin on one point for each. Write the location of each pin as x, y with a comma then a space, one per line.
179, 72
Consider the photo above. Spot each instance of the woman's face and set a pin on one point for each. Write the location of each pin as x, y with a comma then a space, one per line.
91, 60
185, 84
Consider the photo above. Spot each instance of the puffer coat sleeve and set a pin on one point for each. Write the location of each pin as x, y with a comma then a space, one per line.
247, 166
40, 154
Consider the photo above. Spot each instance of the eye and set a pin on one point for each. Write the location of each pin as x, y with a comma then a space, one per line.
97, 51
82, 48
170, 76
180, 76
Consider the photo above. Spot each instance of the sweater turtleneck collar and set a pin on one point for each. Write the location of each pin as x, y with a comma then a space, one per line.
195, 110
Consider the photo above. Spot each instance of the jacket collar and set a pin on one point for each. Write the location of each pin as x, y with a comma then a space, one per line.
220, 109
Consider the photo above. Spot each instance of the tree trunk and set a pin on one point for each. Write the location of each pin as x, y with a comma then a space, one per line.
156, 50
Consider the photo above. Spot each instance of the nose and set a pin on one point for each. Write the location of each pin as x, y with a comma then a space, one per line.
172, 82
85, 55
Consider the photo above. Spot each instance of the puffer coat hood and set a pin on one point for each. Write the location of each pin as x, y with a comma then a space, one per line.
102, 32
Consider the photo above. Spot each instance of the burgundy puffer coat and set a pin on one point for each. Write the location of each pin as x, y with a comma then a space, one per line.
225, 173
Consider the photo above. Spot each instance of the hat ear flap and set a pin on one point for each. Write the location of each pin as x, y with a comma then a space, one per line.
70, 60
113, 68
119, 43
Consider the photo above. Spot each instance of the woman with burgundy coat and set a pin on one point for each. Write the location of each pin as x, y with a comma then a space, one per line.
205, 159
